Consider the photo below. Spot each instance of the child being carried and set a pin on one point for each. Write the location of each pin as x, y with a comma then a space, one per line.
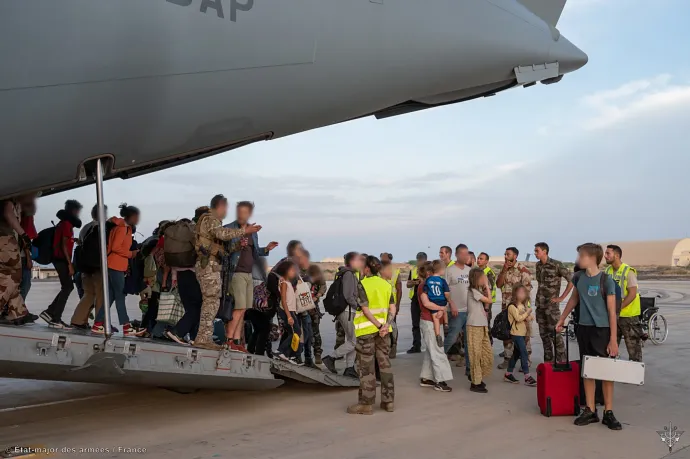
436, 288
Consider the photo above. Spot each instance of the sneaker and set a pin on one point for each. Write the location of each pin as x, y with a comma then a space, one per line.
502, 355
128, 330
442, 387
414, 350
242, 349
32, 318
586, 417
351, 373
309, 363
282, 357
57, 325
80, 327
426, 383
439, 340
143, 333
172, 336
298, 359
508, 377
329, 363
47, 317
610, 421
65, 326
295, 361
530, 381
503, 365
482, 384
478, 388
98, 328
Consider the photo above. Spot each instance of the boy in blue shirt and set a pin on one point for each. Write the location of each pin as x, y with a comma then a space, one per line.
595, 291
436, 288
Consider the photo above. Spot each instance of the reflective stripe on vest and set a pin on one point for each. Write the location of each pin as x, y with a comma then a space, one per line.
621, 278
379, 294
413, 276
488, 270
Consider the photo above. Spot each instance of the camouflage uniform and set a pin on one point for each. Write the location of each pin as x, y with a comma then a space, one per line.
339, 335
549, 276
372, 348
630, 328
518, 274
11, 301
209, 236
318, 290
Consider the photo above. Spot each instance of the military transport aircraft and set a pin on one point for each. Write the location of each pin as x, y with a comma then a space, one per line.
157, 83
98, 89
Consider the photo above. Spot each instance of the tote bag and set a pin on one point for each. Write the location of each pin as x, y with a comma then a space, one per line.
170, 309
304, 299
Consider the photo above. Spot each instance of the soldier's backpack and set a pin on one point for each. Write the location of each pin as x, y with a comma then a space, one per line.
87, 256
501, 327
178, 245
44, 244
334, 303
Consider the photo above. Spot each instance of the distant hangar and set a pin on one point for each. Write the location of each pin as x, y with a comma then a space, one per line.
667, 252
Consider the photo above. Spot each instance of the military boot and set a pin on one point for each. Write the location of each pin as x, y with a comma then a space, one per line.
317, 359
360, 409
309, 363
350, 372
387, 406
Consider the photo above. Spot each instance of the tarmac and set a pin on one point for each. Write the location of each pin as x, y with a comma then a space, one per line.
307, 421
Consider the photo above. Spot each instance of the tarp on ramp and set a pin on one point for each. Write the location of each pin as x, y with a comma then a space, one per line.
311, 375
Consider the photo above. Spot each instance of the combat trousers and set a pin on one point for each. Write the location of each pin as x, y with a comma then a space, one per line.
416, 312
210, 282
316, 333
547, 318
369, 348
630, 329
11, 301
339, 335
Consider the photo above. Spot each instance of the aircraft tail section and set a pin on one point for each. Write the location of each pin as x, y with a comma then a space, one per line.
549, 10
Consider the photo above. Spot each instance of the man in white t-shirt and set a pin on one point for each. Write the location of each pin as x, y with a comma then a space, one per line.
458, 278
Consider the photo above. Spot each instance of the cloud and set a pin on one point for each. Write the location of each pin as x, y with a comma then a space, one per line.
633, 100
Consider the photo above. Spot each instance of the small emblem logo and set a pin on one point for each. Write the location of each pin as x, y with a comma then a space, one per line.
670, 435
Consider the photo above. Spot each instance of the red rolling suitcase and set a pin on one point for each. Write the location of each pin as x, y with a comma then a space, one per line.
558, 387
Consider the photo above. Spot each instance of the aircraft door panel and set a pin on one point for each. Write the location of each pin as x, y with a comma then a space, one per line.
82, 41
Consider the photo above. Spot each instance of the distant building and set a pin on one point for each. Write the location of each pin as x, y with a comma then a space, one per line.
668, 252
39, 272
339, 260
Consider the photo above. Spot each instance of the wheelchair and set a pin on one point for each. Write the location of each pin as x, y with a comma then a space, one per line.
654, 325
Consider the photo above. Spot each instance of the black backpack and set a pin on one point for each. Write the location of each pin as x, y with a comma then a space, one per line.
87, 257
334, 303
44, 246
502, 326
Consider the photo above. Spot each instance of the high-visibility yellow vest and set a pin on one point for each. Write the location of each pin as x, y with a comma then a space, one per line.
621, 278
393, 281
379, 294
452, 262
414, 275
488, 270
356, 274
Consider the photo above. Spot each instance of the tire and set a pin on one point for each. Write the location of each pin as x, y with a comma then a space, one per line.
658, 328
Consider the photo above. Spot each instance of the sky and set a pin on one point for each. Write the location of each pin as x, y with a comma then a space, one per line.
602, 156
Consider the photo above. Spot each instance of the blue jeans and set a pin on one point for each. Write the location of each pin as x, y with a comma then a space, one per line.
25, 286
285, 347
308, 336
519, 352
455, 326
116, 287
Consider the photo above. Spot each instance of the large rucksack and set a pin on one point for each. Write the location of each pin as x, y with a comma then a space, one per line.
334, 303
44, 244
87, 256
502, 327
178, 245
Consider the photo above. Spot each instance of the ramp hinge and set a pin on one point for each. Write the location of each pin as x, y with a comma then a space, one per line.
130, 348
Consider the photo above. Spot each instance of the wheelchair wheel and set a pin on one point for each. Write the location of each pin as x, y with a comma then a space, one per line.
658, 328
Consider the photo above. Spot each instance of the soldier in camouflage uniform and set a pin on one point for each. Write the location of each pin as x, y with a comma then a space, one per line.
210, 235
512, 273
13, 239
318, 290
549, 275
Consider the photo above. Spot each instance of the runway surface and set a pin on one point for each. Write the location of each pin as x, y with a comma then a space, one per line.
300, 421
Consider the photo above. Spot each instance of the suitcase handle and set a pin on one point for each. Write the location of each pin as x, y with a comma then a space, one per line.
562, 366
